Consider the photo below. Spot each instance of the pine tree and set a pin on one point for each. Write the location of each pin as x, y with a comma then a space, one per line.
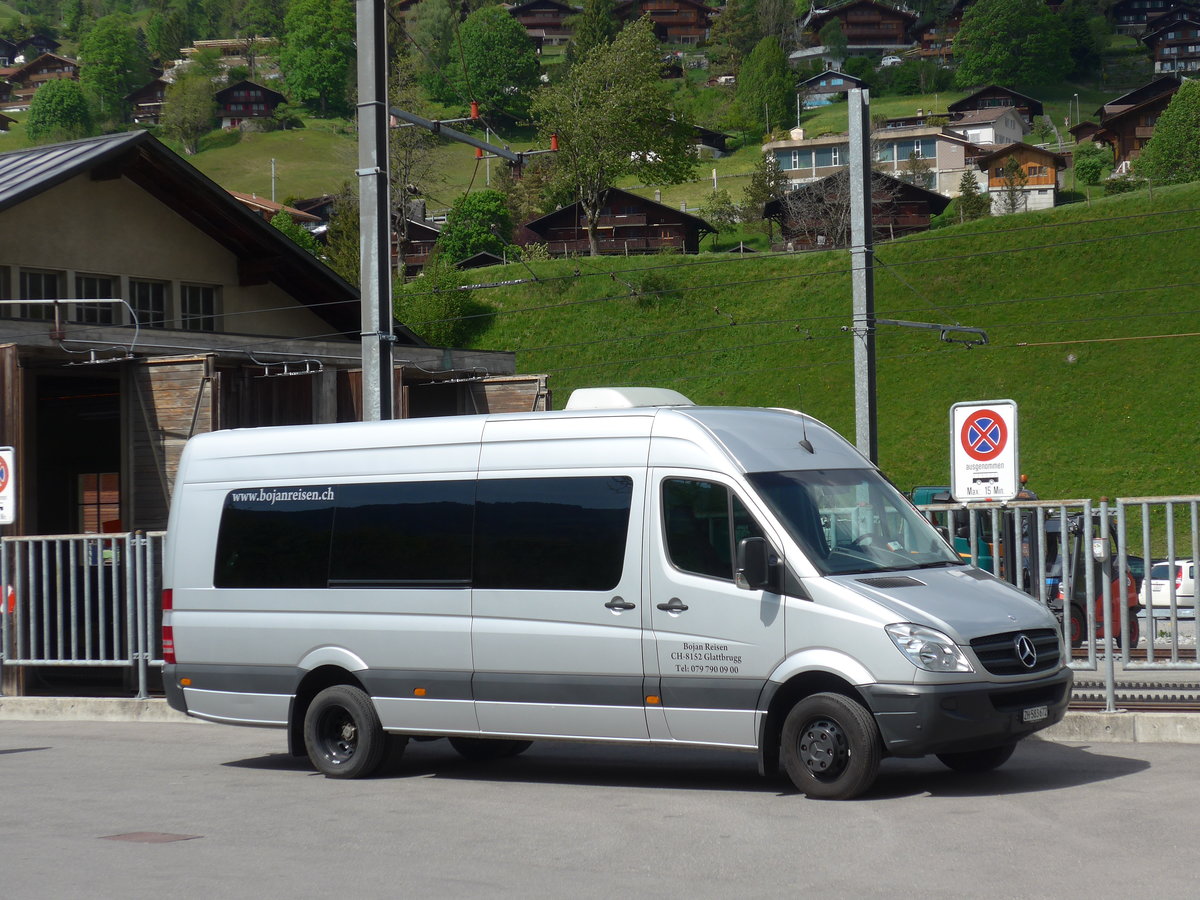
972, 203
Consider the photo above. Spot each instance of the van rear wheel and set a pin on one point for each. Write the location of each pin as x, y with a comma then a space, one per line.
830, 747
483, 749
342, 733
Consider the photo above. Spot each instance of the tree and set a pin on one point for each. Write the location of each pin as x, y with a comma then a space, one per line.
918, 171
819, 214
1090, 162
1088, 34
497, 64
735, 31
532, 194
112, 64
596, 25
283, 222
1012, 42
342, 237
612, 119
766, 90
430, 27
478, 222
1012, 191
833, 37
432, 305
412, 165
971, 202
189, 110
719, 211
318, 52
767, 182
1172, 155
59, 111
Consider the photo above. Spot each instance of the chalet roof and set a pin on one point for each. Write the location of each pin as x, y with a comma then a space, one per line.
1164, 84
146, 89
982, 116
1154, 33
480, 260
422, 231
1009, 149
19, 72
269, 208
6, 120
834, 72
822, 14
880, 181
39, 40
242, 85
613, 194
624, 5
263, 253
516, 8
1032, 103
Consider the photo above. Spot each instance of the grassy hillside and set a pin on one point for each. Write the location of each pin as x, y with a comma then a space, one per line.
1091, 314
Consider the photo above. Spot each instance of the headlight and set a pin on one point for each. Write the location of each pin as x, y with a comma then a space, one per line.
928, 648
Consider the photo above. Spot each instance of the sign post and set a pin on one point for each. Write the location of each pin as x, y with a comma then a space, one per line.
8, 487
983, 451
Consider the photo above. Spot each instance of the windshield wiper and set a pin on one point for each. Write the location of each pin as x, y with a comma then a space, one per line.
941, 563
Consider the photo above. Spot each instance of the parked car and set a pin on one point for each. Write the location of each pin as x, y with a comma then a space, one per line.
890, 61
1183, 574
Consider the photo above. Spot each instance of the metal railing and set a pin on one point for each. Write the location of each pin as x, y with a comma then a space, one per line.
83, 601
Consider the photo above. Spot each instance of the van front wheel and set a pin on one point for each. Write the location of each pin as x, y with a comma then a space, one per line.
830, 747
342, 733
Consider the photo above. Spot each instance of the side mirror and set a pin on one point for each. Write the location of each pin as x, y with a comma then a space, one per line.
753, 564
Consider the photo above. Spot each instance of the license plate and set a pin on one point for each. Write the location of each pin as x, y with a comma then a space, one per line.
1035, 713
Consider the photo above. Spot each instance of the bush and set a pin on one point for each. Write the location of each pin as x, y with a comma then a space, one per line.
1122, 184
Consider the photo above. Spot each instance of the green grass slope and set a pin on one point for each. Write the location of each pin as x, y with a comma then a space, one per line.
1093, 317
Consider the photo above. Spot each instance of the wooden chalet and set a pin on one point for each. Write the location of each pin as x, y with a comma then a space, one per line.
869, 25
246, 101
1131, 16
675, 21
223, 303
36, 45
147, 102
714, 144
1173, 40
1042, 169
994, 96
6, 122
627, 224
8, 53
30, 76
268, 209
816, 215
821, 89
1126, 123
416, 247
935, 37
545, 21
235, 52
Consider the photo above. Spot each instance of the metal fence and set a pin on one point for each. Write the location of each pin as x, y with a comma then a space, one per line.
1119, 575
95, 600
83, 601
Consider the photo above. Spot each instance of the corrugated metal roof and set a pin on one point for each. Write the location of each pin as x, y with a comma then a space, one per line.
24, 173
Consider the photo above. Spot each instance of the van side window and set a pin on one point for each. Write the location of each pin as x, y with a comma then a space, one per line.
563, 534
697, 517
275, 538
405, 533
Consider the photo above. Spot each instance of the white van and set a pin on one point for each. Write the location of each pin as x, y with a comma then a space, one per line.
678, 575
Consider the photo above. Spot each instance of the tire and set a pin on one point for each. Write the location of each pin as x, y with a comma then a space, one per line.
1076, 624
483, 749
342, 733
830, 747
974, 761
1135, 632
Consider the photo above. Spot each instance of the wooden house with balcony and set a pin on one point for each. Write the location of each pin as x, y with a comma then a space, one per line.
1126, 123
35, 45
1173, 40
627, 224
820, 90
675, 21
416, 245
935, 36
1042, 170
246, 101
816, 216
146, 103
1131, 16
30, 76
870, 26
545, 21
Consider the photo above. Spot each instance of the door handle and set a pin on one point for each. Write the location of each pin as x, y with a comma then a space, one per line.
619, 603
673, 605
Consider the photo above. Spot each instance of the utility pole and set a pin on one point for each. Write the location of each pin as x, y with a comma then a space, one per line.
862, 262
374, 213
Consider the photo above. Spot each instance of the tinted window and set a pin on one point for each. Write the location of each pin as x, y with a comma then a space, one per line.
551, 533
406, 533
696, 517
275, 538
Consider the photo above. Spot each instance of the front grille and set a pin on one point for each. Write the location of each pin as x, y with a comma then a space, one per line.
998, 652
891, 581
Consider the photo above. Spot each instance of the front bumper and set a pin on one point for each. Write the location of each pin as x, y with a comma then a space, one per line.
916, 720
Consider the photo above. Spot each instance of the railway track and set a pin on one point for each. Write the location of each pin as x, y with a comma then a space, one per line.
1138, 696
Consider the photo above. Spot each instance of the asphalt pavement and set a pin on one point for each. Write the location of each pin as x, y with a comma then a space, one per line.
164, 809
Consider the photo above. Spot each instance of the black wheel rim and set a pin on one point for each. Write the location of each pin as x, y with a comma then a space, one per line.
824, 749
338, 735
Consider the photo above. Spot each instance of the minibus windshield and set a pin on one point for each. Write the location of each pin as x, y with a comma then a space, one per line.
852, 521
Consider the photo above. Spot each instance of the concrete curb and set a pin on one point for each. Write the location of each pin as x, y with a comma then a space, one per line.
1093, 727
88, 709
